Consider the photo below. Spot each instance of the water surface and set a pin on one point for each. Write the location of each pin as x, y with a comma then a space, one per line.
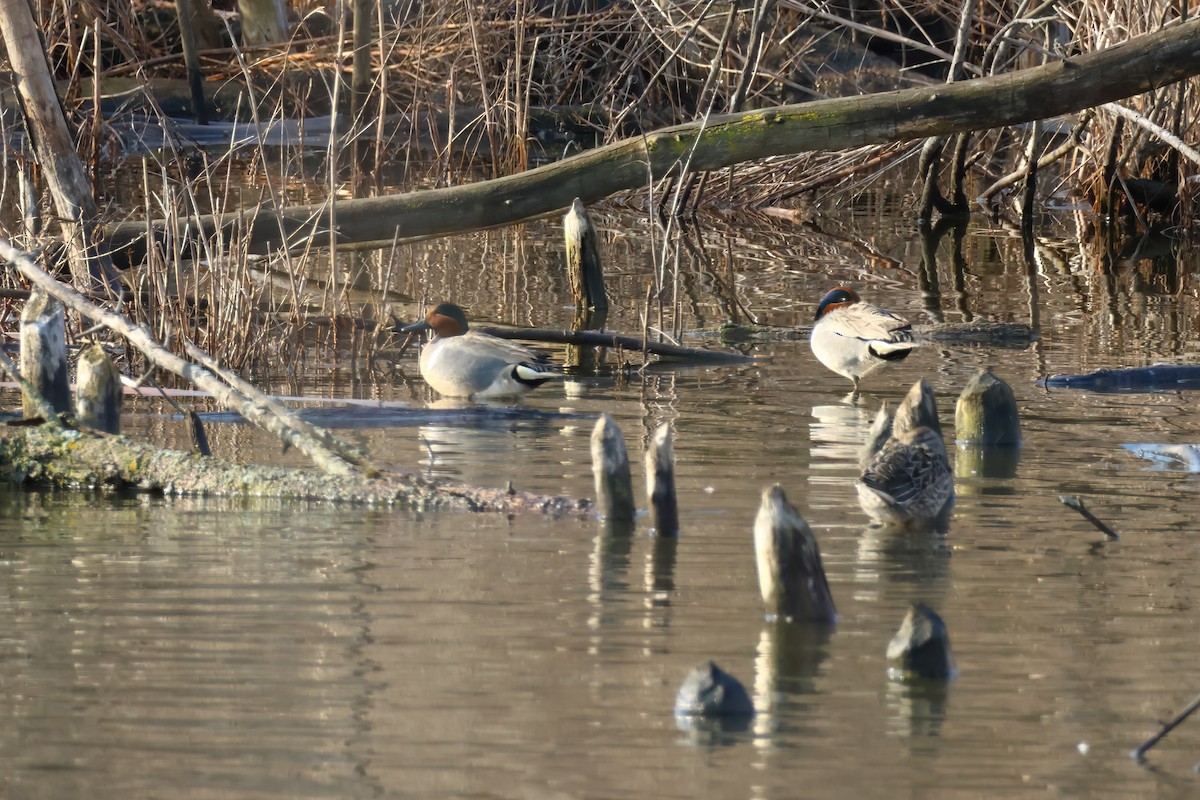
188, 648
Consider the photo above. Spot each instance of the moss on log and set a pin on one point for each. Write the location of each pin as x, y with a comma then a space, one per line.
73, 459
1063, 87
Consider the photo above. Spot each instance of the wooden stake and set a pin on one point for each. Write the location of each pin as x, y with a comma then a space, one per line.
44, 352
921, 647
660, 483
986, 413
98, 390
610, 466
587, 283
583, 260
790, 574
185, 14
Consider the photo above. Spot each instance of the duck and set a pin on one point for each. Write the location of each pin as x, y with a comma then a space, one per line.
853, 338
460, 362
907, 481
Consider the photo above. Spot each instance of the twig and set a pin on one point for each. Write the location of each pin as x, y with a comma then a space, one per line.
1139, 753
1072, 501
351, 454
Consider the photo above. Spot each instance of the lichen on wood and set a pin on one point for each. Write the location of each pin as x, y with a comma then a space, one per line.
75, 459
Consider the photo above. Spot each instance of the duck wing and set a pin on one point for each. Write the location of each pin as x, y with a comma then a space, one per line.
872, 324
912, 472
483, 345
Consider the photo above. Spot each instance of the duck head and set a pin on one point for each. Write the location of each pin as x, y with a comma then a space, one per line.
444, 319
836, 298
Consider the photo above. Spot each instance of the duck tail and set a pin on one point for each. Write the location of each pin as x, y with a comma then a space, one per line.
534, 374
890, 351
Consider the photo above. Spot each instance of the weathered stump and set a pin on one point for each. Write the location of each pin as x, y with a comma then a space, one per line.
44, 351
583, 260
660, 483
790, 574
709, 691
610, 467
986, 414
587, 282
921, 648
97, 390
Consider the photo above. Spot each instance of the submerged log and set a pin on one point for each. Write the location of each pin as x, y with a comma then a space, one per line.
610, 466
1157, 378
921, 647
660, 483
73, 459
1063, 87
98, 390
790, 574
44, 352
616, 341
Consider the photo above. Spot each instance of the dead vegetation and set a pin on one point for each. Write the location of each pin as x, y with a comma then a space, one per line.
467, 76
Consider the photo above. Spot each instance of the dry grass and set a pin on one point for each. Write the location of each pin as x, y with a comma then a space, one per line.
625, 66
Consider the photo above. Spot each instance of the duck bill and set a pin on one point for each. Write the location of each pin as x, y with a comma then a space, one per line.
416, 327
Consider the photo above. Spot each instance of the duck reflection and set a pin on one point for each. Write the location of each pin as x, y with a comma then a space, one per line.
838, 430
484, 443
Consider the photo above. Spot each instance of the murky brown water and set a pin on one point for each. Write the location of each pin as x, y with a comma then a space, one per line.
185, 648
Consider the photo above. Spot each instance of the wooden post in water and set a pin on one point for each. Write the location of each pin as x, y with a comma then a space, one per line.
921, 647
987, 426
660, 482
587, 281
610, 466
191, 61
44, 352
790, 574
986, 414
97, 390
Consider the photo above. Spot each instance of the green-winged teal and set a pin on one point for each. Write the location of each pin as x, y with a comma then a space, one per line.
459, 362
854, 338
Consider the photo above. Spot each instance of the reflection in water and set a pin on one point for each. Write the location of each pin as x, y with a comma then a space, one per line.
837, 433
608, 566
178, 648
916, 708
471, 449
887, 557
985, 470
786, 662
660, 570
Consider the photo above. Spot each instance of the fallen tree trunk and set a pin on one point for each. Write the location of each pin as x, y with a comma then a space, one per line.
1064, 87
71, 459
616, 341
54, 147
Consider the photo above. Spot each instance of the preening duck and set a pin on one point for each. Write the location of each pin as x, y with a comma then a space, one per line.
854, 338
